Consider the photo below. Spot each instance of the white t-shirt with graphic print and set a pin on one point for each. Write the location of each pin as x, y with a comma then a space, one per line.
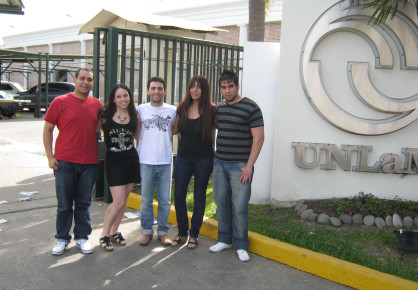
155, 146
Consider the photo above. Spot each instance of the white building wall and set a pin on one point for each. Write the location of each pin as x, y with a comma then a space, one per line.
224, 14
297, 121
50, 36
260, 83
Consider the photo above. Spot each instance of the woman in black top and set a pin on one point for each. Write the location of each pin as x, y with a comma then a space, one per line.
120, 124
195, 122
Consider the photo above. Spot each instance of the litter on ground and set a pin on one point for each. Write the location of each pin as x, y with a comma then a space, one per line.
28, 193
132, 215
25, 199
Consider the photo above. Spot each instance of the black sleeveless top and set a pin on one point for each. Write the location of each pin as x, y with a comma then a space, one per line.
190, 145
119, 139
122, 162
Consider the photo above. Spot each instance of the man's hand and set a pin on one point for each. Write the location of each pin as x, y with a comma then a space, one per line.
53, 163
246, 173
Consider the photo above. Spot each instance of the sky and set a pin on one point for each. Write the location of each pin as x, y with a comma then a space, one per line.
46, 14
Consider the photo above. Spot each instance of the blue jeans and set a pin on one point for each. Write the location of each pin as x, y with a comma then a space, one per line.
152, 175
231, 198
74, 185
185, 168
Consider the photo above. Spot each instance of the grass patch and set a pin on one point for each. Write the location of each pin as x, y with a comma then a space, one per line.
367, 246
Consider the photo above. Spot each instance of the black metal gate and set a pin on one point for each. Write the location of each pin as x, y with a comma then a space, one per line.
132, 57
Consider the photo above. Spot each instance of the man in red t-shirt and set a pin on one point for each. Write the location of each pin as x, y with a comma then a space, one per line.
75, 159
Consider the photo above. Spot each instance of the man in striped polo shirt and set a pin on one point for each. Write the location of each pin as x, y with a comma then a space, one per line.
238, 144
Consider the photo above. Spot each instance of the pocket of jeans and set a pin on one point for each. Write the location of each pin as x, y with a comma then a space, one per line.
240, 165
59, 165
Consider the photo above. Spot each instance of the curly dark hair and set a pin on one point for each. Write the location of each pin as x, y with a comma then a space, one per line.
228, 75
109, 108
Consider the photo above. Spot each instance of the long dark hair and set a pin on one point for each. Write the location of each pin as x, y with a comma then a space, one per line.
206, 109
109, 108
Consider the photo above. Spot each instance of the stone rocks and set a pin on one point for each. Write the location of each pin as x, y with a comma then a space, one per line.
397, 221
368, 220
323, 219
335, 221
346, 219
389, 221
306, 213
408, 222
312, 217
380, 223
302, 209
358, 219
299, 204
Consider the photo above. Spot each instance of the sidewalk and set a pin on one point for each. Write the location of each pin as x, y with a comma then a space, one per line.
328, 267
27, 239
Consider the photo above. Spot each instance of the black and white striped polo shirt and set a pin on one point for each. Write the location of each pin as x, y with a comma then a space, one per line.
234, 140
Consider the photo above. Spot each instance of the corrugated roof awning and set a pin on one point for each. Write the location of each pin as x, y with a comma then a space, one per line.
11, 7
125, 19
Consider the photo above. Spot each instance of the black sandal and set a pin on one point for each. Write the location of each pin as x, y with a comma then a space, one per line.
106, 244
178, 240
118, 239
193, 242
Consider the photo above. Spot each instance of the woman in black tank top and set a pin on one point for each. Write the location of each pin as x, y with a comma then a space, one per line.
195, 122
120, 124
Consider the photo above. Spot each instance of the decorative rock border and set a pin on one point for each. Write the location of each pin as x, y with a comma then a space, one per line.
302, 210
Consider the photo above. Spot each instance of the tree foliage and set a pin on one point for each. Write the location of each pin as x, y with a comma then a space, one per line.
384, 8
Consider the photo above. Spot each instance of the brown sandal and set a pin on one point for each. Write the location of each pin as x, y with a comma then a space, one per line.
178, 240
118, 239
193, 242
106, 244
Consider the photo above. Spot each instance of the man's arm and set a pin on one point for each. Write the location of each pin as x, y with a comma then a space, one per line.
48, 138
258, 140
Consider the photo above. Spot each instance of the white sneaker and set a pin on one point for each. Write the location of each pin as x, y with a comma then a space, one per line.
243, 255
84, 246
59, 248
220, 247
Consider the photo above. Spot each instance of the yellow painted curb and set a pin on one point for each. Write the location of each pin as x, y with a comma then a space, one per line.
328, 267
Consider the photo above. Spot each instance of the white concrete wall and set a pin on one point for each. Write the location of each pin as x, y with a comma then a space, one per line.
260, 83
50, 36
297, 121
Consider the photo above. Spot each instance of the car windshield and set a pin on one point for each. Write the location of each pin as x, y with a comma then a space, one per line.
5, 87
19, 87
16, 87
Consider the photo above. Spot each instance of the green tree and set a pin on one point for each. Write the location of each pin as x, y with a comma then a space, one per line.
384, 8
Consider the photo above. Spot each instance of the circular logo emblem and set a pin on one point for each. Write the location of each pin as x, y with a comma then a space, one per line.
397, 38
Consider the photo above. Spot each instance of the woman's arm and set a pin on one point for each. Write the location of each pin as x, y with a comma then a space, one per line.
175, 129
138, 128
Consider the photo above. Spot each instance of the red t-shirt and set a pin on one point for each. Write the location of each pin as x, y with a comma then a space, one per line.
76, 121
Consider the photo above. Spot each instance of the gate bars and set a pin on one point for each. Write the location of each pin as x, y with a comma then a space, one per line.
132, 57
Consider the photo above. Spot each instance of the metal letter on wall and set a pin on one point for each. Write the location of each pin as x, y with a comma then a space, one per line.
401, 31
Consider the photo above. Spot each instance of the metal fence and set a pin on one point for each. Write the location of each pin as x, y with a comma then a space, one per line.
132, 57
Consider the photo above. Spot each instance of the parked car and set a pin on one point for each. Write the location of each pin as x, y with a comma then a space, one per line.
8, 106
13, 89
54, 89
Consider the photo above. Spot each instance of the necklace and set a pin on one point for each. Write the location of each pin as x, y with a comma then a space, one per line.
122, 119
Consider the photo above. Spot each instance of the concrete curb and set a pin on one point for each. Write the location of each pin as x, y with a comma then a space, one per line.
328, 267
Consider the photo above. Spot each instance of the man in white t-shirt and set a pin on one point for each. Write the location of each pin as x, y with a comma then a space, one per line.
155, 150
